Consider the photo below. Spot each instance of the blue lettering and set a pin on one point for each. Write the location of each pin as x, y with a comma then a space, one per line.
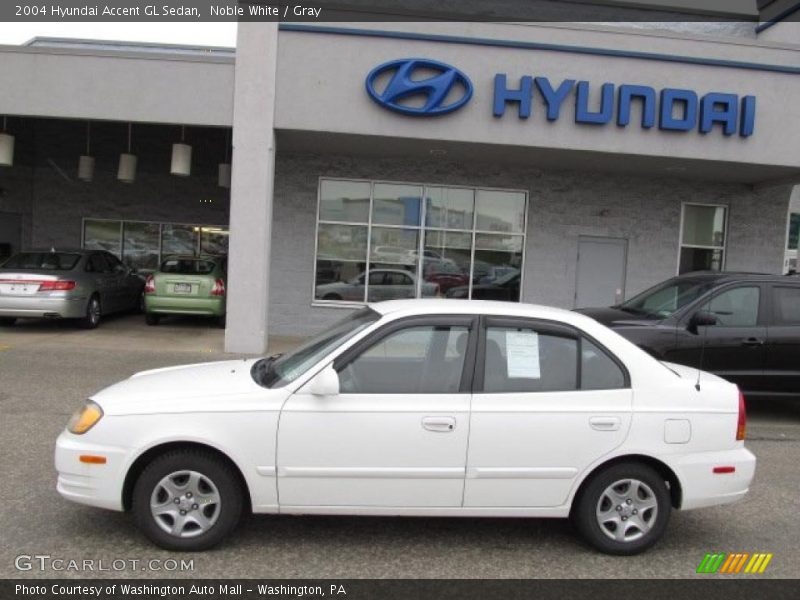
626, 95
554, 98
748, 122
582, 112
668, 121
710, 113
503, 95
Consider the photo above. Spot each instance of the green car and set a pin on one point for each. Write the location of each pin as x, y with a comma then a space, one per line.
186, 285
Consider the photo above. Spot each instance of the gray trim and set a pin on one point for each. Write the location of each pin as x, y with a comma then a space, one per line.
524, 45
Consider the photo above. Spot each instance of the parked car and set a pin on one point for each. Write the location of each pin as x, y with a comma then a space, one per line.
505, 288
384, 284
741, 326
416, 407
186, 285
67, 284
446, 275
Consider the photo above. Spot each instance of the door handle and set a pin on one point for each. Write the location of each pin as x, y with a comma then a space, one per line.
605, 423
752, 342
439, 424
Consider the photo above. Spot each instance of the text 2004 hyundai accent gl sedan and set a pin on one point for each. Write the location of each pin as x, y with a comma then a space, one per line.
417, 407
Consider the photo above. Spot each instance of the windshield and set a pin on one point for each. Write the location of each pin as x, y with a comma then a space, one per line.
43, 261
667, 298
277, 371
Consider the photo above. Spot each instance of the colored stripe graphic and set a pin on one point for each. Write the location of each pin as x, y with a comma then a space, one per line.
711, 563
735, 562
758, 564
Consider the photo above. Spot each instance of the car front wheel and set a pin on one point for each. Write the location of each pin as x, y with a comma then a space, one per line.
624, 509
7, 321
187, 500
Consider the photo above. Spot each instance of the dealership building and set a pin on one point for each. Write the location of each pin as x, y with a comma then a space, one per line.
561, 163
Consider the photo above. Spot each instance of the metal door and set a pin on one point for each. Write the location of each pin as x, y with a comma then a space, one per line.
600, 279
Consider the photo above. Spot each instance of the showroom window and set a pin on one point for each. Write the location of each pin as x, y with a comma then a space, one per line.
703, 233
386, 240
142, 244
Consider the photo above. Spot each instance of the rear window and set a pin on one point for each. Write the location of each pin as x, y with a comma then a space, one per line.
187, 266
43, 261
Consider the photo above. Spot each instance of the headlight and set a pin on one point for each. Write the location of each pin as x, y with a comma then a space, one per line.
85, 418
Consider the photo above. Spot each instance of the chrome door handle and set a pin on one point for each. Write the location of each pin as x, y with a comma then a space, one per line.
439, 424
605, 423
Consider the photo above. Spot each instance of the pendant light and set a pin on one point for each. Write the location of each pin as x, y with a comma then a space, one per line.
181, 157
86, 161
224, 173
6, 146
127, 163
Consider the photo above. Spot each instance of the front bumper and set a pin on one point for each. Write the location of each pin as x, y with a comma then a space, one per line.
37, 307
92, 484
702, 487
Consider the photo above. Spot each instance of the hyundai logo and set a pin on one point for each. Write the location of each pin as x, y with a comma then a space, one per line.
444, 90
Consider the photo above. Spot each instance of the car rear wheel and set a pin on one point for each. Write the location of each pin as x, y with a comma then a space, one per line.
624, 509
187, 500
7, 321
221, 321
151, 319
92, 317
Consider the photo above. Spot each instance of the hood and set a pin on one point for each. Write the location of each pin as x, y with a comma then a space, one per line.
614, 317
183, 388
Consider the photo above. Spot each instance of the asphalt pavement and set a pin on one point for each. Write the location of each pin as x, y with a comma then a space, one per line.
47, 369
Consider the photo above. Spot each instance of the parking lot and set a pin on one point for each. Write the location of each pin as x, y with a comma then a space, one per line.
47, 368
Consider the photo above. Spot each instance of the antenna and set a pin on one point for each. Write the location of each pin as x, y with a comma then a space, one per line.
702, 356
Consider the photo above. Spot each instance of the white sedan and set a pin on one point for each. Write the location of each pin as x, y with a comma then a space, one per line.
417, 407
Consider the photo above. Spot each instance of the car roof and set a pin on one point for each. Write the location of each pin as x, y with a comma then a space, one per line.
727, 276
451, 306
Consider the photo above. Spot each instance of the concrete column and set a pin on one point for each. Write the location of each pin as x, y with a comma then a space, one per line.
253, 172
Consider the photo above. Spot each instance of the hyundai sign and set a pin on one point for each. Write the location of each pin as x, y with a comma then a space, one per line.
440, 88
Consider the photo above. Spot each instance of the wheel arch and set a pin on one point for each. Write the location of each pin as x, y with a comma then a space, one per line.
146, 457
669, 475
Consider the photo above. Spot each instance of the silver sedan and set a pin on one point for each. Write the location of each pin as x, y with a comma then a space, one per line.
66, 284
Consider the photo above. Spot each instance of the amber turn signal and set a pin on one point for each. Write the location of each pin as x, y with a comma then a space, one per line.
85, 418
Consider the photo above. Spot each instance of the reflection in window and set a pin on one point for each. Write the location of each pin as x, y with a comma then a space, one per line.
102, 235
415, 248
417, 360
140, 245
178, 239
735, 308
702, 238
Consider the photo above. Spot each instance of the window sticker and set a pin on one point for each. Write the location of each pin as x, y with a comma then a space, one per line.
522, 355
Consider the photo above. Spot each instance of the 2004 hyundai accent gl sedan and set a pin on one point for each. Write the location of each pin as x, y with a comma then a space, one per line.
417, 407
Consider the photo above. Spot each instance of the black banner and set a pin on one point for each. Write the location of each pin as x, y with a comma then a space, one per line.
707, 587
384, 10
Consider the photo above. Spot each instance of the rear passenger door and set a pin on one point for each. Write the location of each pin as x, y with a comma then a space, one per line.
104, 282
782, 354
548, 401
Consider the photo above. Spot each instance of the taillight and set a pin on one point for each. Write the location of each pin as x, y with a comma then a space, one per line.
219, 288
741, 424
150, 285
56, 286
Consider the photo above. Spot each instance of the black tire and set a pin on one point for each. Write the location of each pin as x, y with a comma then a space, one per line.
221, 322
175, 465
7, 321
596, 497
331, 297
152, 319
91, 318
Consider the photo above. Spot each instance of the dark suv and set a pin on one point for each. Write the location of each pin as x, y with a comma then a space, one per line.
749, 324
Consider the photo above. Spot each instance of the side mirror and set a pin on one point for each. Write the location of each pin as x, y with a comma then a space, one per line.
702, 319
325, 383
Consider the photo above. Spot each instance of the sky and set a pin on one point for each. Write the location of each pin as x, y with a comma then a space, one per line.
198, 34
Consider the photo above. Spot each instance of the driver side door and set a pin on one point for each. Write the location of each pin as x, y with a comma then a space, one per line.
396, 434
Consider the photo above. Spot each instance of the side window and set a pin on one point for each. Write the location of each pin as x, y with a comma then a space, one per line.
598, 371
375, 278
737, 307
524, 360
97, 264
114, 264
786, 305
417, 360
398, 279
